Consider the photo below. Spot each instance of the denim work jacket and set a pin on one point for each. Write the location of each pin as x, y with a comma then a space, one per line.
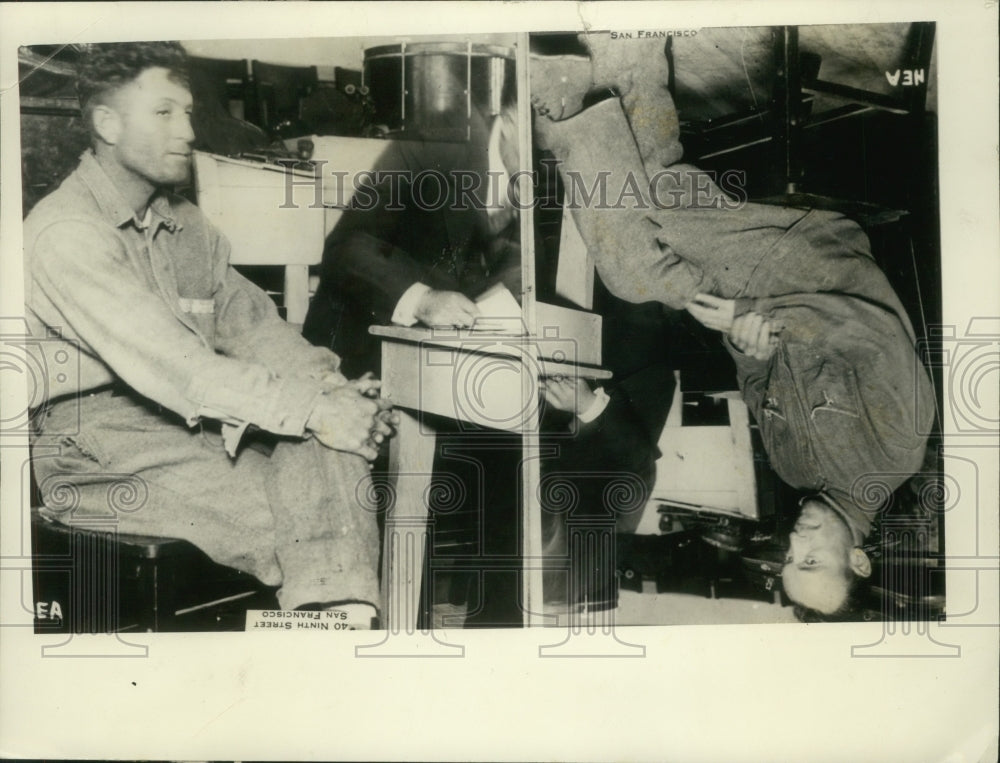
844, 405
158, 308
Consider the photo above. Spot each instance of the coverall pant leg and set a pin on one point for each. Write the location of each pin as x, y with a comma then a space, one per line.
295, 518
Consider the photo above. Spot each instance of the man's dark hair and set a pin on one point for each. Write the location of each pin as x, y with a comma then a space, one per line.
105, 67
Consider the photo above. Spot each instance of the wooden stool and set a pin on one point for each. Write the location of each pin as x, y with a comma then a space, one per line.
94, 579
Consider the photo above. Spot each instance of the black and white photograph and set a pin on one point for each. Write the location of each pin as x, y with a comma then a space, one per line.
591, 335
742, 427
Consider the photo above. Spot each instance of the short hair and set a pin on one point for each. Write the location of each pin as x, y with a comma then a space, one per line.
853, 609
105, 67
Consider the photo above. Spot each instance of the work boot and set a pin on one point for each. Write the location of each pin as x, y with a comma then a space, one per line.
639, 71
611, 61
559, 84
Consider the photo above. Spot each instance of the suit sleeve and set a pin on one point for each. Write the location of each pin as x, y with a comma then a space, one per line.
617, 442
362, 257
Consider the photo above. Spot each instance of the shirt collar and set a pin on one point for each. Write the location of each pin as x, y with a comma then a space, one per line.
163, 213
856, 519
113, 204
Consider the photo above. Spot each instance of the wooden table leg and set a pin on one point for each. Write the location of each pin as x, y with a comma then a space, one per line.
406, 534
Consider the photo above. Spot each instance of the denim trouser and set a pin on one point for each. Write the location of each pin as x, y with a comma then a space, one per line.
292, 518
676, 235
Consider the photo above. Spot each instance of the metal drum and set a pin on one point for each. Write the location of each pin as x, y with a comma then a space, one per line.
430, 89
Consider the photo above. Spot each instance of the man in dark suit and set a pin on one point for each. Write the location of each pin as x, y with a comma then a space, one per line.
433, 229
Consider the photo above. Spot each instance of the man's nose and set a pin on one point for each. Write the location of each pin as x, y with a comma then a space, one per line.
185, 131
796, 543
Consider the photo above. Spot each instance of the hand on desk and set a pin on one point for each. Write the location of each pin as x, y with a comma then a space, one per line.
352, 421
446, 309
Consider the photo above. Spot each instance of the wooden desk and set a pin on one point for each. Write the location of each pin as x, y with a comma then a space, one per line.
488, 380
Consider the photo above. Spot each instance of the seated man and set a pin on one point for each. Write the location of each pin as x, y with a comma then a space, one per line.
823, 347
179, 356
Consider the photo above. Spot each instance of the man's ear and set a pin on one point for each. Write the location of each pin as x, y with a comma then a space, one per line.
861, 565
107, 124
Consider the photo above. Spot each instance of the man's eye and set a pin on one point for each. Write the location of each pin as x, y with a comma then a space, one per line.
811, 562
163, 112
788, 559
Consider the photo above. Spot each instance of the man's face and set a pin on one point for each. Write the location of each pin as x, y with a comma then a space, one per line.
817, 571
153, 128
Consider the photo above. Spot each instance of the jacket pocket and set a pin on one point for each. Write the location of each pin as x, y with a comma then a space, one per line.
842, 424
786, 441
